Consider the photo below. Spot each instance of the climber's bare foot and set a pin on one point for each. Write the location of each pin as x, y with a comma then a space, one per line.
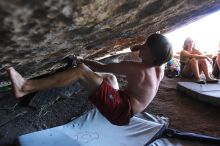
17, 82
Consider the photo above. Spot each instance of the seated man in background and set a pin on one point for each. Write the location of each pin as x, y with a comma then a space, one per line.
216, 64
116, 105
193, 63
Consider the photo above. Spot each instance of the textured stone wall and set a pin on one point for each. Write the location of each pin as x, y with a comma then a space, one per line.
35, 35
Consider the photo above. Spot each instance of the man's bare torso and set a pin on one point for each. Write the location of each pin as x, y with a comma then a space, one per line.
143, 85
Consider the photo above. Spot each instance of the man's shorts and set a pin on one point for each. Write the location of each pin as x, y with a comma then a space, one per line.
112, 103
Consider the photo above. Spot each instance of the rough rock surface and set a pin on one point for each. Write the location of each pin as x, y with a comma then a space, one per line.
36, 34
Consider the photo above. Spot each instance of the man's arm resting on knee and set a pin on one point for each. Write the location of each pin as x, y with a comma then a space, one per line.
124, 67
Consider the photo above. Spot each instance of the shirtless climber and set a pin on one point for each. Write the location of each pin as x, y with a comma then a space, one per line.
116, 105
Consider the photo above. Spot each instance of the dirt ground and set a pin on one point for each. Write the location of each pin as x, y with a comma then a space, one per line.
17, 118
184, 112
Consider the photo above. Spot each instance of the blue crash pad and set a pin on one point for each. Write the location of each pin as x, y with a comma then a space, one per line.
92, 129
209, 93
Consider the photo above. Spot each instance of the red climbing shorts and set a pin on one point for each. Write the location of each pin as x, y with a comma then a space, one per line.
112, 103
